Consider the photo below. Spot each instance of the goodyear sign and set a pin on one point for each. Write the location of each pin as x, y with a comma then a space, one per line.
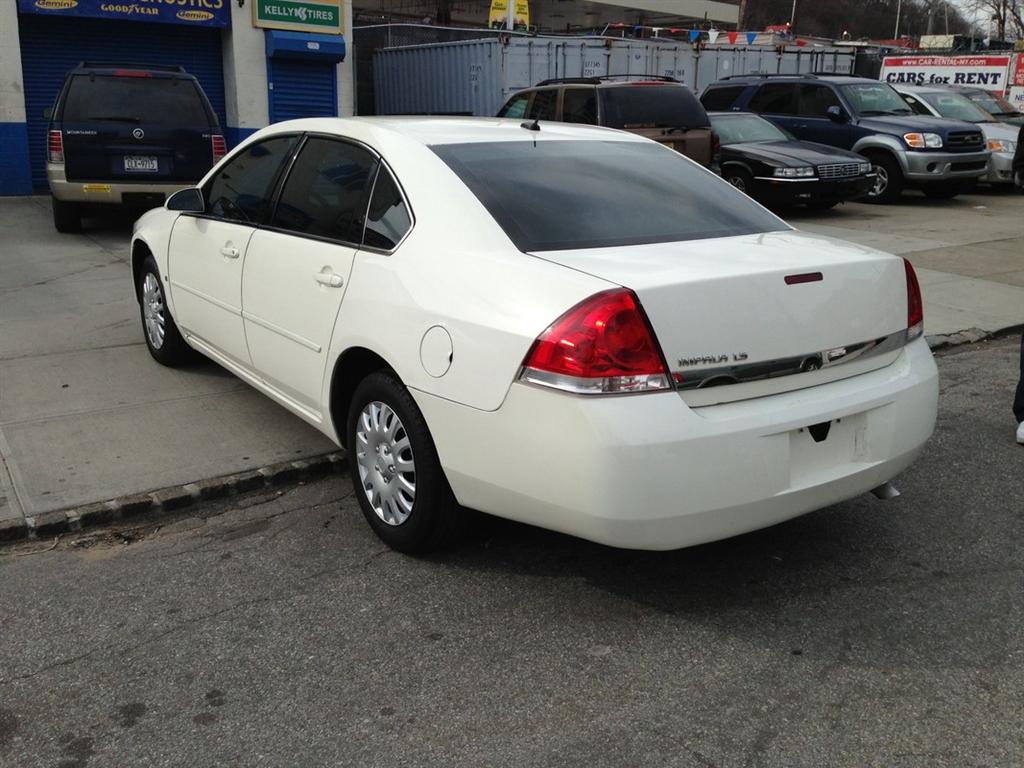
198, 13
322, 16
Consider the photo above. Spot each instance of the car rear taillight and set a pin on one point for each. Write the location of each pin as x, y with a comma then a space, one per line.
602, 345
55, 146
915, 305
219, 147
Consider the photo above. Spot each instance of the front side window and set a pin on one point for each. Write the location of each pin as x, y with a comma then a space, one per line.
579, 105
242, 190
775, 99
916, 105
387, 219
516, 106
544, 105
560, 195
325, 192
815, 100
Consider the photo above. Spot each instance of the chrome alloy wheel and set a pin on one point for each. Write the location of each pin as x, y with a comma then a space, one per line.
881, 181
153, 310
738, 182
384, 457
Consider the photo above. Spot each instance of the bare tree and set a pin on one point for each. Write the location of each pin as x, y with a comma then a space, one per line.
1007, 15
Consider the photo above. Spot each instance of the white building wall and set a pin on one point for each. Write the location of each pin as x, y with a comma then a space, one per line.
245, 73
346, 69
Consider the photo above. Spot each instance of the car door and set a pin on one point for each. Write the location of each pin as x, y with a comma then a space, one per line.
777, 102
206, 253
297, 268
814, 124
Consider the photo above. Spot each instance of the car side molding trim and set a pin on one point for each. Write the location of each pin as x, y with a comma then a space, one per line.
788, 366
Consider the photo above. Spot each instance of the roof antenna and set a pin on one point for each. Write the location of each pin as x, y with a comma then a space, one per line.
534, 126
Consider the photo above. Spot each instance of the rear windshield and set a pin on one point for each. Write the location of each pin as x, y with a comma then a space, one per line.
135, 100
651, 106
561, 195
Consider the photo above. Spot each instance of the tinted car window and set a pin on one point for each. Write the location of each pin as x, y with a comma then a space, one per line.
555, 195
134, 100
579, 105
651, 106
544, 105
775, 99
325, 193
816, 99
242, 189
516, 106
918, 107
387, 219
721, 99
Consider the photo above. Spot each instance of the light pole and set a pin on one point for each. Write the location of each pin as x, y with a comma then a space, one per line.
792, 16
899, 7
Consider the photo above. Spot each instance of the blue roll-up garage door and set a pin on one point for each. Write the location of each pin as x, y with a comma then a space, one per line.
52, 46
302, 88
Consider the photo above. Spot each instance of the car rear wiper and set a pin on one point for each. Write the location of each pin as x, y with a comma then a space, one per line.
115, 118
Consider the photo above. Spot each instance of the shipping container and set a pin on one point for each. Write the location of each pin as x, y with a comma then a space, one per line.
475, 77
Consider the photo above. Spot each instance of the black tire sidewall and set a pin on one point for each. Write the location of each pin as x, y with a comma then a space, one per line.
894, 187
434, 498
174, 350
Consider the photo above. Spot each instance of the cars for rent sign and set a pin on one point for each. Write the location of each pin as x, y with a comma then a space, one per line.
988, 72
298, 15
200, 13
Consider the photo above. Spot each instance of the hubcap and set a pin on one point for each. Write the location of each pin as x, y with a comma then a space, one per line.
384, 458
153, 310
881, 181
737, 181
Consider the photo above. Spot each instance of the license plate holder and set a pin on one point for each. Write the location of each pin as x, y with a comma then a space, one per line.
137, 163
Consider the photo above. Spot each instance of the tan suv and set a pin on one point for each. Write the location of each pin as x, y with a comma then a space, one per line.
658, 108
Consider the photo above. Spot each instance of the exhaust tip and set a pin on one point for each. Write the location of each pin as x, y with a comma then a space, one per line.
885, 491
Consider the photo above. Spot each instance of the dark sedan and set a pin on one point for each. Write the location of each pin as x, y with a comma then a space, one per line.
778, 171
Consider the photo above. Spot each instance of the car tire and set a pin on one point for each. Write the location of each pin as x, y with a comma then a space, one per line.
942, 191
67, 216
740, 179
396, 474
163, 339
889, 180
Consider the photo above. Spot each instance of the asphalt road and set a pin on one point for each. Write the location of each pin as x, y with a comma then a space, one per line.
276, 631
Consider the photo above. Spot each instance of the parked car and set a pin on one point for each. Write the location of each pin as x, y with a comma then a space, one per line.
658, 108
993, 103
127, 135
1001, 138
775, 169
867, 117
649, 363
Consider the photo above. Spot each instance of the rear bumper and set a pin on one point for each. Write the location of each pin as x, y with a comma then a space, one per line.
943, 166
796, 191
649, 472
105, 192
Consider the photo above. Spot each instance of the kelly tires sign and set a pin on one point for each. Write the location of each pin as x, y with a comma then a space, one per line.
988, 72
322, 16
197, 13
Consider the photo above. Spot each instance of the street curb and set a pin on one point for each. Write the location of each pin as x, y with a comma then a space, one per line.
169, 499
970, 336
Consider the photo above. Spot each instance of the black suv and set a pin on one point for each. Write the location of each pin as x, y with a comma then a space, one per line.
659, 108
127, 135
868, 117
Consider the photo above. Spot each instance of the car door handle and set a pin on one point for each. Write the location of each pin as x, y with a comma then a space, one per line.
230, 251
330, 279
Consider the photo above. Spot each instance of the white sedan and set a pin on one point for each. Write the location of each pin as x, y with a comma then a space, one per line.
568, 326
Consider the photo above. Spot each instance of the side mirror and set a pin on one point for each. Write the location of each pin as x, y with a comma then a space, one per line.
836, 114
48, 113
186, 200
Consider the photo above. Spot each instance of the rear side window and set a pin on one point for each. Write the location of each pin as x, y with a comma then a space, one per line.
651, 106
135, 100
775, 99
516, 106
326, 190
721, 99
544, 105
816, 99
241, 191
387, 219
559, 195
579, 105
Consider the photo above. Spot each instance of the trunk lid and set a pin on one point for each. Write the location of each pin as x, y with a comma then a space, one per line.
731, 326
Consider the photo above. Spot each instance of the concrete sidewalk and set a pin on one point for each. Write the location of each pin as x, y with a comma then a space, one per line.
86, 415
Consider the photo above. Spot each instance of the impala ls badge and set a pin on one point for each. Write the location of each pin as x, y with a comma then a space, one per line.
689, 362
138, 133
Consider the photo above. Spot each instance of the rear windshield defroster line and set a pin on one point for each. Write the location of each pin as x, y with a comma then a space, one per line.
565, 195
